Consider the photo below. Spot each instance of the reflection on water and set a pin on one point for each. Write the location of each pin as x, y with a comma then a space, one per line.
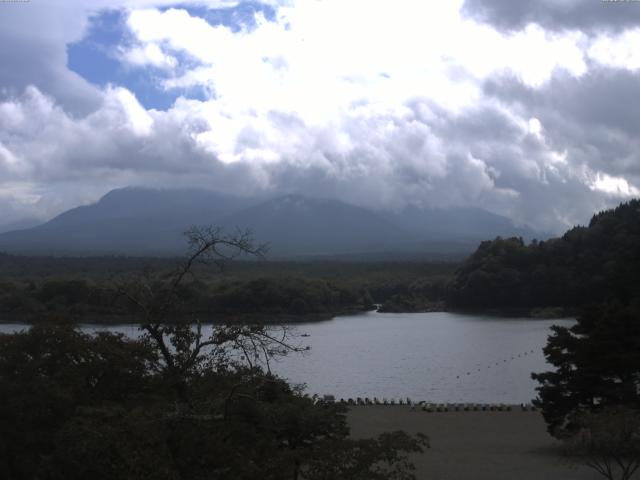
438, 357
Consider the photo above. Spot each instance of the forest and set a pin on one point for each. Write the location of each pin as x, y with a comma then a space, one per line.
69, 289
591, 264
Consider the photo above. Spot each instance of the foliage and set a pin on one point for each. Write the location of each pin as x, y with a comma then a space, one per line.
608, 442
597, 364
36, 289
384, 458
587, 264
423, 295
76, 406
173, 404
77, 299
47, 373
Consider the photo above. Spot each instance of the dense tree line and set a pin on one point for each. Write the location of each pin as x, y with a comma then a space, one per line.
79, 299
422, 295
75, 288
586, 265
591, 399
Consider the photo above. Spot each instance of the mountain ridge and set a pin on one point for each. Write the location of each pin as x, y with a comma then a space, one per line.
137, 220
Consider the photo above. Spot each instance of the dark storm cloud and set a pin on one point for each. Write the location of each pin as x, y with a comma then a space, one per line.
593, 117
478, 124
546, 174
33, 37
585, 15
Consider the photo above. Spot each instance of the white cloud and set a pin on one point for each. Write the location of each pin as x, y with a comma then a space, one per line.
126, 107
620, 51
8, 161
535, 127
615, 186
379, 103
149, 54
320, 57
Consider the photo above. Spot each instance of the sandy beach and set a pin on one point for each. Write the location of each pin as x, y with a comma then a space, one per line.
480, 445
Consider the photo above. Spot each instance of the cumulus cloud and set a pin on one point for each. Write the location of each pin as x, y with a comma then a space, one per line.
381, 104
591, 119
592, 127
33, 39
150, 54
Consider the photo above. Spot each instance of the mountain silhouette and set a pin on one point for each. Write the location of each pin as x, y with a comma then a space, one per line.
144, 221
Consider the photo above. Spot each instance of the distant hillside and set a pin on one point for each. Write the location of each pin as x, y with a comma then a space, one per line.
297, 225
129, 220
586, 265
471, 224
19, 224
140, 221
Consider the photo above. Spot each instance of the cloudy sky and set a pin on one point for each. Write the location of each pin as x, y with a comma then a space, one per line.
528, 109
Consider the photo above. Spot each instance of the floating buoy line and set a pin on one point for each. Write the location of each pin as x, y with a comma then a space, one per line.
497, 363
426, 406
441, 407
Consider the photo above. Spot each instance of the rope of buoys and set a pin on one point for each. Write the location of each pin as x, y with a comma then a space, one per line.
519, 355
430, 407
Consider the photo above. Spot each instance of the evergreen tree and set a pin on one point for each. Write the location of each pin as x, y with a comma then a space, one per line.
597, 364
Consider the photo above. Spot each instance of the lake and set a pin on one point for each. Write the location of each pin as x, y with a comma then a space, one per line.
437, 357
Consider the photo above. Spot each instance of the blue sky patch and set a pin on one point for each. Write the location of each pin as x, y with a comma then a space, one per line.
240, 17
95, 57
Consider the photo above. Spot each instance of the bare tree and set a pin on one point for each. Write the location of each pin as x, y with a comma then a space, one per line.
608, 442
180, 341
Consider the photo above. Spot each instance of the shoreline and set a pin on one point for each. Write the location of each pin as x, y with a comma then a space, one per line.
270, 318
129, 319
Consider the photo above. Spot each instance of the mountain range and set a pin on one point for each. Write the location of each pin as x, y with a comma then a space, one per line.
142, 221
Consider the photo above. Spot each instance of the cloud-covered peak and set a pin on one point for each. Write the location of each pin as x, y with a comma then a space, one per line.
381, 104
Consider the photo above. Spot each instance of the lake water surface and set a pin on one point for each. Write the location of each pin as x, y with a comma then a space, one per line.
437, 357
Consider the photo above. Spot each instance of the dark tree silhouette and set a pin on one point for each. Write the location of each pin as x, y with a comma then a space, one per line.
597, 364
158, 300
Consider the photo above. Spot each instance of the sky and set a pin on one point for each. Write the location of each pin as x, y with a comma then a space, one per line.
526, 109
